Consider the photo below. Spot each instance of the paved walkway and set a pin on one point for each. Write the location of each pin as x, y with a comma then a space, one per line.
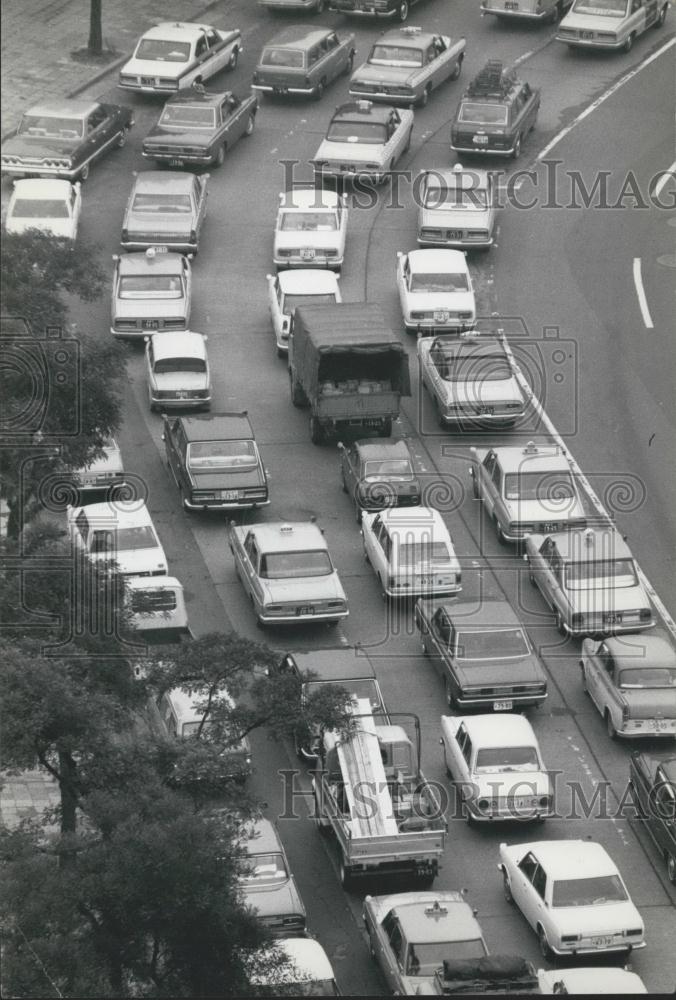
25, 796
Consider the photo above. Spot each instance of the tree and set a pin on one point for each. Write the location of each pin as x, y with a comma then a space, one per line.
61, 394
95, 44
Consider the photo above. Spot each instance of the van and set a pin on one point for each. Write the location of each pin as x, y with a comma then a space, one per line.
120, 532
181, 719
157, 607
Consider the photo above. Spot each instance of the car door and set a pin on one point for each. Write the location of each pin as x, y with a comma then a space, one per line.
218, 52
396, 137
314, 70
98, 129
187, 285
540, 567
176, 447
402, 281
486, 473
350, 468
521, 884
637, 19
150, 377
440, 633
336, 55
200, 199
237, 120
608, 691
369, 532
392, 952
248, 562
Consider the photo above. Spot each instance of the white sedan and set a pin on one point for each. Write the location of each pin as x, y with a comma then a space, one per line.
178, 371
289, 289
573, 896
590, 980
435, 291
497, 764
411, 552
52, 206
173, 56
311, 228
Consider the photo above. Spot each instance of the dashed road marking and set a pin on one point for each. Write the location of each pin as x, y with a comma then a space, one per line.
640, 292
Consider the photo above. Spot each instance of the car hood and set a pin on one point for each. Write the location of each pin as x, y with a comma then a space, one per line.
25, 145
163, 134
590, 22
602, 919
608, 600
552, 510
455, 301
485, 393
149, 308
53, 227
275, 900
173, 381
439, 218
350, 152
522, 669
136, 562
646, 703
226, 480
306, 591
306, 238
156, 67
150, 222
385, 74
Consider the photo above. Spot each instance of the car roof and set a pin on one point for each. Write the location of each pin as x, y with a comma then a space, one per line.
591, 543
217, 426
142, 263
125, 513
163, 180
299, 36
262, 837
357, 111
310, 197
413, 519
479, 614
308, 957
465, 177
503, 730
532, 458
66, 109
437, 260
308, 281
335, 664
410, 36
664, 759
468, 346
373, 450
180, 344
567, 859
177, 30
41, 187
192, 96
184, 703
288, 536
641, 650
420, 920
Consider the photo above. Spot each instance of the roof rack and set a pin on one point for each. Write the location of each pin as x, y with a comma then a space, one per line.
492, 81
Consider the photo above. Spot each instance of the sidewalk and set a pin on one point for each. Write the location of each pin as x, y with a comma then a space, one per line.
25, 796
38, 37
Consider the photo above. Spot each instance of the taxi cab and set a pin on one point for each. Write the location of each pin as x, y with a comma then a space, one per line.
364, 140
527, 489
457, 208
171, 57
178, 371
310, 229
610, 24
151, 291
496, 113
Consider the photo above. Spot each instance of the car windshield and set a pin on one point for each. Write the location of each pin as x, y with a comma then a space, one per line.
424, 958
292, 58
554, 485
507, 759
456, 197
592, 891
422, 551
156, 49
222, 456
359, 688
602, 8
51, 127
163, 204
594, 574
492, 644
169, 366
395, 55
473, 368
190, 115
291, 302
321, 222
146, 602
124, 539
295, 565
264, 869
648, 677
444, 281
151, 286
45, 208
389, 467
374, 133
482, 114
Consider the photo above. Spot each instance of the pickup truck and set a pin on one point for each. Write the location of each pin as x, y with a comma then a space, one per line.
653, 782
348, 367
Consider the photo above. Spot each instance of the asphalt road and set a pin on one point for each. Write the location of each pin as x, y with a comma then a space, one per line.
564, 270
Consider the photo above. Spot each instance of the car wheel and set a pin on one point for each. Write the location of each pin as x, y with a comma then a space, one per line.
507, 889
219, 158
499, 532
629, 44
424, 98
345, 876
318, 92
234, 58
84, 173
122, 138
456, 72
610, 726
584, 678
250, 125
560, 624
517, 147
658, 24
671, 868
402, 10
545, 950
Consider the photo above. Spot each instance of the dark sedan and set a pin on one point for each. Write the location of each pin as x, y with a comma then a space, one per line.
215, 462
62, 139
378, 474
197, 128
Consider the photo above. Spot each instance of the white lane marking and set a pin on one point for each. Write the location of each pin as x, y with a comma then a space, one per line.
598, 506
523, 58
604, 97
640, 292
670, 172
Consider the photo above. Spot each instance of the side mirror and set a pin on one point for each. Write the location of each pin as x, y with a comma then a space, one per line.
269, 277
115, 257
190, 256
400, 254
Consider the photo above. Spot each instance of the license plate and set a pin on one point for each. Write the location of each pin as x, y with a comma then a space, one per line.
307, 253
601, 942
502, 706
454, 234
488, 410
586, 34
523, 803
549, 527
441, 317
305, 610
480, 140
280, 90
150, 324
148, 81
510, 5
175, 163
229, 494
612, 619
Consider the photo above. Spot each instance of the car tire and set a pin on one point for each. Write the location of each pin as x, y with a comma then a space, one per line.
610, 726
629, 44
402, 11
659, 23
545, 950
671, 868
84, 173
507, 889
516, 152
318, 92
316, 431
499, 532
234, 59
560, 624
122, 138
345, 877
424, 98
458, 69
219, 159
250, 125
386, 430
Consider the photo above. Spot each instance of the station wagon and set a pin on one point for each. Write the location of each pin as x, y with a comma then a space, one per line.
303, 61
496, 113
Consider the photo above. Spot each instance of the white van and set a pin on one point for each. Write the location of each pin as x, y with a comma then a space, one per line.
120, 532
181, 719
158, 607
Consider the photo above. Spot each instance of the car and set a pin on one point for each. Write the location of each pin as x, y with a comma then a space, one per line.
456, 208
590, 581
151, 291
498, 766
157, 608
289, 289
471, 381
405, 65
267, 885
51, 206
120, 533
287, 573
304, 970
544, 11
482, 653
310, 229
496, 113
177, 370
315, 6
411, 552
364, 141
411, 934
398, 9
172, 56
166, 208
63, 138
652, 780
215, 462
525, 490
612, 24
315, 670
632, 681
378, 474
104, 477
435, 291
303, 61
573, 896
196, 128
590, 981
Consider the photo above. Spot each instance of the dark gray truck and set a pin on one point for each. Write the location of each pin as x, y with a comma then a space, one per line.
348, 366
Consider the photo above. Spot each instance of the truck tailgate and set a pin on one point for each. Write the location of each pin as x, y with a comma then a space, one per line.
355, 405
416, 845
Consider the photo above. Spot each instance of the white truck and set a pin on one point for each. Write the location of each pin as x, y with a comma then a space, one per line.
370, 791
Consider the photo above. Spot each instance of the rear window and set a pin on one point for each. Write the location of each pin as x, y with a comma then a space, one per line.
168, 366
124, 539
359, 132
156, 49
162, 203
47, 208
482, 114
292, 58
164, 286
146, 602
